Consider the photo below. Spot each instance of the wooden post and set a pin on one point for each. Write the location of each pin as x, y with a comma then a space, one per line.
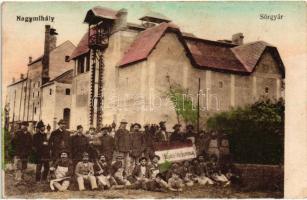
198, 114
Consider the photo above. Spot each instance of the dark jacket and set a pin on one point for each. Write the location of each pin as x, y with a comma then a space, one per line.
41, 147
22, 144
79, 146
177, 137
58, 142
101, 167
123, 140
138, 144
136, 173
107, 144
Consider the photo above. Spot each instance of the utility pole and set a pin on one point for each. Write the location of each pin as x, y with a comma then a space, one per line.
198, 105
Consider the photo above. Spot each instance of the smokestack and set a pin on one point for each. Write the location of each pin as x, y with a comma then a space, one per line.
237, 38
22, 76
30, 59
121, 21
50, 44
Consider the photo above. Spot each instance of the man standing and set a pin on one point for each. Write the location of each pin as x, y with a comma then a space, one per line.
177, 136
123, 144
149, 140
59, 141
138, 144
107, 146
79, 145
42, 151
161, 135
22, 143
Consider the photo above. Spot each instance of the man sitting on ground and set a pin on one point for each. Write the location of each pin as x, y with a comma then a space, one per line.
85, 171
62, 170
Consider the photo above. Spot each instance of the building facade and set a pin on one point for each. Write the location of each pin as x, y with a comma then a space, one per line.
141, 63
24, 100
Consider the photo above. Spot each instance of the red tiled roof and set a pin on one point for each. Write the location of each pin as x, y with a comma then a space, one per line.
82, 47
250, 53
202, 53
210, 55
144, 44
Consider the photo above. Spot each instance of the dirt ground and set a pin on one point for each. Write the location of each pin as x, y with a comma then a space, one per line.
33, 190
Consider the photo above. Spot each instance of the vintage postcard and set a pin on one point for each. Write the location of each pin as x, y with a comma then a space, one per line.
153, 99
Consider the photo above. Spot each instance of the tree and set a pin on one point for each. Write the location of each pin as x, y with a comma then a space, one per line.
183, 104
256, 132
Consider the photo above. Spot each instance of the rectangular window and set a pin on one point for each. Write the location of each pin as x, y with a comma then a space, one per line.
88, 62
67, 91
50, 91
81, 65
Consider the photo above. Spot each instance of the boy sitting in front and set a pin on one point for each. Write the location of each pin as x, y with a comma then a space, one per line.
175, 182
85, 172
141, 173
215, 172
118, 172
102, 173
186, 173
157, 184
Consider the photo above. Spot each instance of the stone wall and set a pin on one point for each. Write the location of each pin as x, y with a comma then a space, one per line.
261, 177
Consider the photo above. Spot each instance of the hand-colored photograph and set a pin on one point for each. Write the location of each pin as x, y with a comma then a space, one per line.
146, 99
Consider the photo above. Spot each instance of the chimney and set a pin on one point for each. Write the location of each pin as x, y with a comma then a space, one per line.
13, 80
237, 38
50, 44
30, 59
22, 76
121, 21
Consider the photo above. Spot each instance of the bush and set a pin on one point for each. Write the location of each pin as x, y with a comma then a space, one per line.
256, 132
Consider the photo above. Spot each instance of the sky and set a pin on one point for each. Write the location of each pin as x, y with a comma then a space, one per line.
209, 20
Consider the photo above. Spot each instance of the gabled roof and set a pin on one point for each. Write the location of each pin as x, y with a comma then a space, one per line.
82, 47
206, 54
155, 17
41, 57
18, 81
144, 44
98, 13
65, 77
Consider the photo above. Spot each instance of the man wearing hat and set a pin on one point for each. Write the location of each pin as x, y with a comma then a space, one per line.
177, 136
107, 145
42, 151
59, 140
80, 144
161, 135
123, 142
85, 172
138, 144
22, 144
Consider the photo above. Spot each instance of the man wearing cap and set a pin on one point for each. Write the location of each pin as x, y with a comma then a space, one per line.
177, 136
138, 144
161, 135
22, 144
107, 146
79, 145
42, 151
85, 172
123, 142
59, 140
